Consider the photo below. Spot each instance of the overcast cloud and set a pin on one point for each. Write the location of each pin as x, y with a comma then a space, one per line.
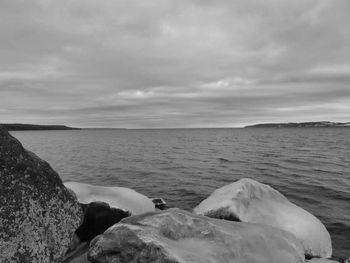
179, 63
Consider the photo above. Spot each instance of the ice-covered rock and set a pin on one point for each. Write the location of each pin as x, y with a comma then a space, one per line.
176, 236
118, 197
38, 215
250, 201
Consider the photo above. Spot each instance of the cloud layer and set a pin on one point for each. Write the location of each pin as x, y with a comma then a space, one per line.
183, 63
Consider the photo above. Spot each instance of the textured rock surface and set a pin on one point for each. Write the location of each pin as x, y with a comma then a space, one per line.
321, 260
81, 259
175, 236
38, 215
118, 197
251, 201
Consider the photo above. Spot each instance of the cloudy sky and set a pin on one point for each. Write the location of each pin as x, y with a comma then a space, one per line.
174, 63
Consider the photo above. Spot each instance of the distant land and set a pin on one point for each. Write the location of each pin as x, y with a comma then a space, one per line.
316, 124
31, 127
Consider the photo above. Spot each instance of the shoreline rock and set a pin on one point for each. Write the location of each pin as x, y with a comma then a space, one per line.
38, 215
177, 236
250, 201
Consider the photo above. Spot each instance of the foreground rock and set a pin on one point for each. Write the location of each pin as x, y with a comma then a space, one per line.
250, 201
321, 260
176, 236
38, 215
117, 197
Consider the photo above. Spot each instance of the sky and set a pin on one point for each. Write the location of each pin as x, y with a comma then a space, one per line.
174, 63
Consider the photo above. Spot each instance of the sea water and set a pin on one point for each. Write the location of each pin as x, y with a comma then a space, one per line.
310, 166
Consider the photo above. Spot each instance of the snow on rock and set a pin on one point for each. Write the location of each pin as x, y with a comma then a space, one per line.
254, 202
117, 197
177, 236
321, 260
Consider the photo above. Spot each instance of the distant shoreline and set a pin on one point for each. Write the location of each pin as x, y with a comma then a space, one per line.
34, 127
319, 124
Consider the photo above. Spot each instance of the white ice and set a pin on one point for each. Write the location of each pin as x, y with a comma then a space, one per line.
118, 197
254, 202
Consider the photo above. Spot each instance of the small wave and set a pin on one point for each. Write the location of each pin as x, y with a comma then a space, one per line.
223, 160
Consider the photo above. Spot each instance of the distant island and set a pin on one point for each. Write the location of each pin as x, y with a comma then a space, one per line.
317, 124
34, 127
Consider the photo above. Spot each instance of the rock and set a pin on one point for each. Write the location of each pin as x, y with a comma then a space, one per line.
38, 215
159, 203
78, 255
321, 260
177, 236
98, 217
117, 197
250, 201
81, 259
332, 259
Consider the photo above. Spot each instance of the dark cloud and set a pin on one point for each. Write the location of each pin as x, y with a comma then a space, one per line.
169, 63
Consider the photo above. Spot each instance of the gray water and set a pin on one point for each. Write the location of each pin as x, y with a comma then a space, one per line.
309, 166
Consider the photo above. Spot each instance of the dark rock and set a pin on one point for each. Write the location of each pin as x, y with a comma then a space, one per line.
159, 203
38, 215
98, 217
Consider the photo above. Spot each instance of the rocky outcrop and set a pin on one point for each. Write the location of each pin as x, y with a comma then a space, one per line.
250, 201
176, 236
117, 197
38, 215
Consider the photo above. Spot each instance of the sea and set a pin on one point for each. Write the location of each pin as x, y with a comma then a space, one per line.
310, 166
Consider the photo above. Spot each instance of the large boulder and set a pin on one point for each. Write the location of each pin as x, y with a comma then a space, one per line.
250, 201
38, 215
176, 236
117, 197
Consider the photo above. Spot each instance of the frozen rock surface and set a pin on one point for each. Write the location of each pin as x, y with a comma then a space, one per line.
117, 197
38, 215
250, 201
177, 236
